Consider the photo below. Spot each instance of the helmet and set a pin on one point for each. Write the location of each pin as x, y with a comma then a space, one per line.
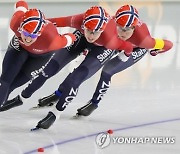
127, 16
33, 21
96, 18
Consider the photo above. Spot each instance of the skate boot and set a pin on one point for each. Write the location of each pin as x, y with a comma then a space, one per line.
87, 109
11, 104
48, 100
47, 121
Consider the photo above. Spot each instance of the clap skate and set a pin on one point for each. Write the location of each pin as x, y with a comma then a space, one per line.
11, 104
46, 122
46, 102
86, 110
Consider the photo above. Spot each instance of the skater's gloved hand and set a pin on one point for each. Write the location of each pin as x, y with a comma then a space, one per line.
21, 5
154, 52
122, 56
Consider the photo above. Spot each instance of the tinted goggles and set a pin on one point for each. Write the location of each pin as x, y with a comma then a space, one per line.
33, 36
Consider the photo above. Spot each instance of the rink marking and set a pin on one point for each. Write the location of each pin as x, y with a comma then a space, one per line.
95, 134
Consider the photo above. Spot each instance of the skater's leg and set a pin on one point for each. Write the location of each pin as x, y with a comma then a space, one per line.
112, 67
69, 88
12, 64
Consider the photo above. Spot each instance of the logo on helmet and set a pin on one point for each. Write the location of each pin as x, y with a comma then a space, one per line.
33, 21
96, 19
127, 16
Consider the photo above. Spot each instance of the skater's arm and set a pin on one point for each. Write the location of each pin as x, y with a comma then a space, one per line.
74, 21
142, 38
20, 8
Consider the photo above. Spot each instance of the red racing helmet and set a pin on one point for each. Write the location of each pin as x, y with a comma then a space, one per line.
33, 21
96, 19
127, 16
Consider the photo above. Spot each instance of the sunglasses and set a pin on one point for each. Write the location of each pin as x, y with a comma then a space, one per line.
33, 36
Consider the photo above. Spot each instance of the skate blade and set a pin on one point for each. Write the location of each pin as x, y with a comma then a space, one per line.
35, 129
39, 107
77, 116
